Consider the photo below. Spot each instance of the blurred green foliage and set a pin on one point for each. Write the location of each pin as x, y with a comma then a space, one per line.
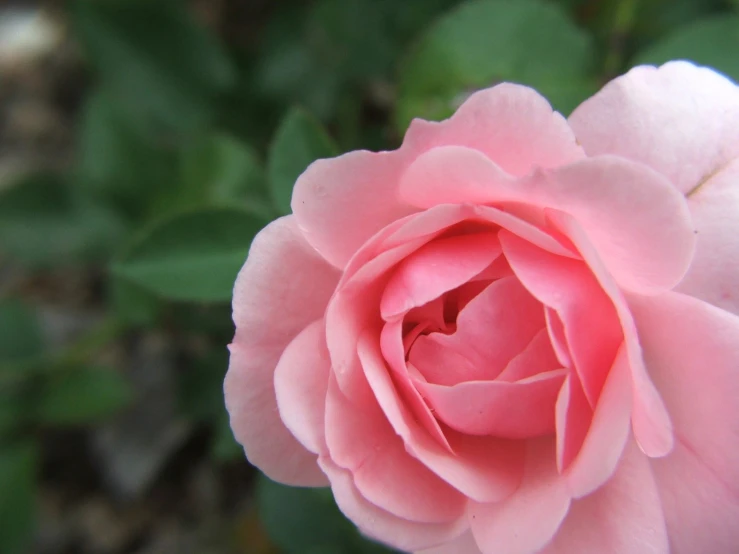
189, 141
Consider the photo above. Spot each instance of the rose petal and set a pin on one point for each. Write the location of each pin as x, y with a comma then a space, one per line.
486, 469
464, 544
341, 202
680, 119
301, 382
623, 516
714, 274
517, 410
607, 434
637, 221
492, 329
525, 522
282, 275
591, 325
381, 525
650, 421
362, 441
511, 124
436, 268
537, 357
692, 353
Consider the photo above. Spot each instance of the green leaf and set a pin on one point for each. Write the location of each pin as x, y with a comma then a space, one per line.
119, 164
164, 68
18, 465
43, 221
713, 41
201, 386
81, 395
484, 42
20, 332
224, 447
220, 168
13, 410
299, 141
193, 256
301, 520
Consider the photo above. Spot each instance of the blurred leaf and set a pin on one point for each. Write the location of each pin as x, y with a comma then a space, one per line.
132, 303
301, 520
17, 501
312, 56
193, 256
81, 395
299, 141
484, 42
120, 164
201, 386
43, 221
13, 410
224, 447
164, 68
222, 169
20, 332
711, 41
656, 18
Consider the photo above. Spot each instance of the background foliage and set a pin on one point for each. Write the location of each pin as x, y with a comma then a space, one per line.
169, 134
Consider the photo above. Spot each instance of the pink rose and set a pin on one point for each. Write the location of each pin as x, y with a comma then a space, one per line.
517, 333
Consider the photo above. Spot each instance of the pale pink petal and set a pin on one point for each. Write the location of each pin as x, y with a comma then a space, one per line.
592, 329
436, 268
341, 202
362, 441
573, 415
622, 517
650, 421
537, 357
714, 274
680, 119
483, 468
380, 525
492, 329
607, 434
556, 332
636, 219
283, 275
438, 363
692, 353
527, 520
511, 124
463, 545
517, 410
391, 344
301, 382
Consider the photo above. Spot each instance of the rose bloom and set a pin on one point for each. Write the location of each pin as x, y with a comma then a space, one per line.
515, 334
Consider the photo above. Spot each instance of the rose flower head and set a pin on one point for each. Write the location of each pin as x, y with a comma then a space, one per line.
515, 334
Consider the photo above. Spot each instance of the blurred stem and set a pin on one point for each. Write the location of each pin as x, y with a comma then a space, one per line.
623, 22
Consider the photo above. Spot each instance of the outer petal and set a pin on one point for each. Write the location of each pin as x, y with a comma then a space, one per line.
381, 525
714, 274
692, 352
622, 517
341, 202
282, 275
525, 522
301, 382
361, 440
463, 545
511, 124
680, 119
639, 224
